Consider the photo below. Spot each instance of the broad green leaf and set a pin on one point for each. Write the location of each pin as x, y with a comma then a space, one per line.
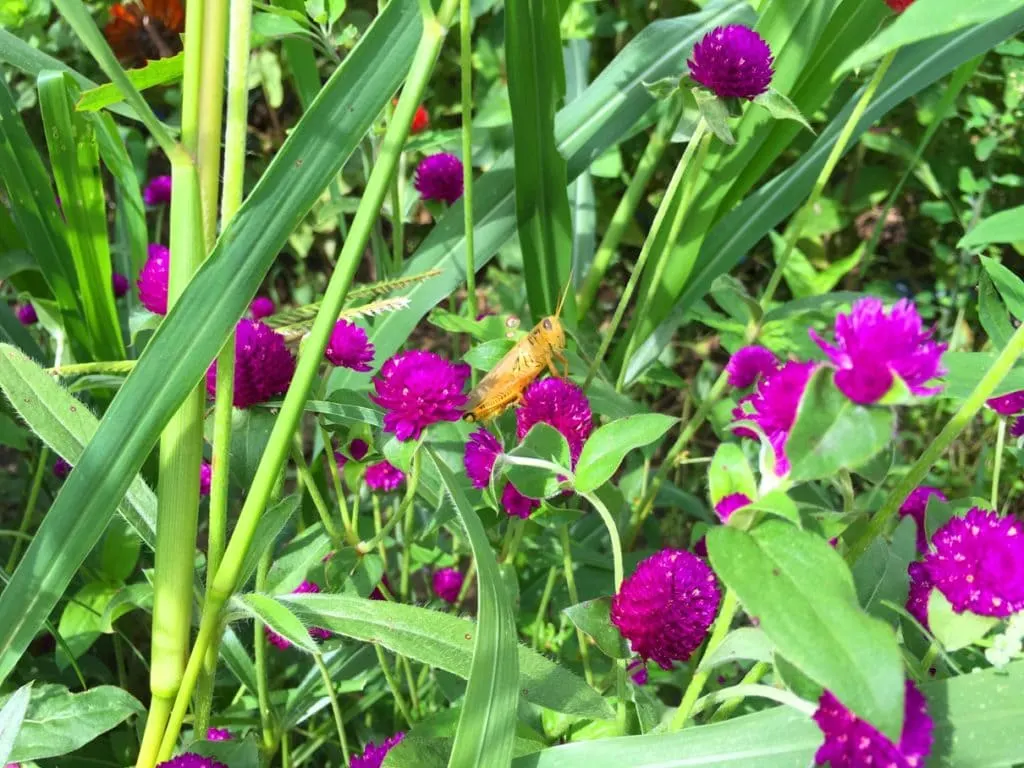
1009, 285
832, 433
880, 574
155, 72
1003, 227
608, 445
995, 320
278, 618
715, 114
730, 473
592, 617
781, 108
11, 717
59, 722
745, 643
545, 443
582, 201
445, 642
802, 595
955, 630
82, 622
483, 357
965, 370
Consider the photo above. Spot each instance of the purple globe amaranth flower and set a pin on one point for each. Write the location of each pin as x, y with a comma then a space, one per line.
417, 389
191, 760
639, 676
439, 177
977, 562
358, 448
26, 314
899, 5
218, 734
773, 406
263, 365
561, 404
153, 278
482, 450
305, 588
349, 347
447, 584
873, 346
919, 592
665, 608
157, 191
373, 756
854, 743
120, 284
384, 476
1007, 405
1017, 430
734, 62
916, 506
61, 468
205, 478
729, 504
517, 505
748, 364
261, 307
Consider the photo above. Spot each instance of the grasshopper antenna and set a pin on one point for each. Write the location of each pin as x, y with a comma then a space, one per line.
565, 291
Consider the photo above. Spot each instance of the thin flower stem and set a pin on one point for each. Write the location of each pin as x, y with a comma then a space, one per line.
30, 507
412, 484
919, 469
351, 535
700, 677
1000, 443
286, 751
260, 654
398, 219
466, 67
396, 692
308, 481
542, 607
470, 576
761, 691
754, 675
526, 461
574, 597
407, 511
414, 697
339, 721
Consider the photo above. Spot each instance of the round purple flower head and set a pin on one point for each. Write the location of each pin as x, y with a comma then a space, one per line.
874, 346
976, 563
191, 760
734, 62
263, 365
920, 590
417, 389
729, 504
562, 405
1007, 405
916, 505
1017, 430
218, 734
26, 314
481, 452
439, 177
153, 279
157, 191
665, 608
61, 468
261, 307
447, 584
517, 505
373, 756
305, 588
384, 476
349, 347
120, 284
773, 407
205, 478
749, 364
639, 676
853, 743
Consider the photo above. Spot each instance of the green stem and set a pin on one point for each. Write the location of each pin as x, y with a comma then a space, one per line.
627, 206
396, 692
309, 482
1000, 443
351, 535
574, 597
30, 507
700, 678
398, 219
414, 696
466, 67
412, 484
259, 641
753, 676
674, 188
919, 469
339, 721
741, 692
542, 608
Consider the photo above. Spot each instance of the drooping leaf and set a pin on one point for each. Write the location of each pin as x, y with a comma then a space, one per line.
276, 617
155, 72
593, 619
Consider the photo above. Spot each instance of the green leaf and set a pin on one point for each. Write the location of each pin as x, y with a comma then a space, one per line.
781, 108
275, 25
1003, 227
743, 644
832, 433
608, 445
155, 72
59, 722
1009, 285
715, 114
880, 574
545, 443
82, 622
592, 617
663, 88
995, 320
238, 753
278, 618
730, 473
271, 523
446, 642
11, 717
346, 409
483, 357
802, 595
955, 630
965, 370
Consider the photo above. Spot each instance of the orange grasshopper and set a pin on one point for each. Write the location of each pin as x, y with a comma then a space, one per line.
504, 385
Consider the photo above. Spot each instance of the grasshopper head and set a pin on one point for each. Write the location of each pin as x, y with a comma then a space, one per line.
554, 333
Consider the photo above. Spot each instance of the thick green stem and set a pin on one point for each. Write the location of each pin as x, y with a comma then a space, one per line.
574, 597
30, 508
339, 721
466, 66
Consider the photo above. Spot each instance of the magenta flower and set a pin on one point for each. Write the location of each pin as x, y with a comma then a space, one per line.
1017, 430
920, 590
261, 307
481, 452
517, 505
773, 407
263, 365
317, 633
377, 594
373, 756
191, 760
899, 5
734, 62
854, 743
976, 563
1007, 405
358, 448
26, 314
916, 505
120, 284
153, 279
639, 676
349, 347
560, 404
665, 608
439, 177
205, 478
157, 191
729, 504
384, 476
873, 346
61, 468
417, 389
218, 734
749, 364
447, 584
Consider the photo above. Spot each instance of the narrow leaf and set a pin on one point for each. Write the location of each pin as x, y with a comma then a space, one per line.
11, 717
155, 72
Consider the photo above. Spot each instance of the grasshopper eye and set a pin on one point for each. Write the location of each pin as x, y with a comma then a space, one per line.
547, 324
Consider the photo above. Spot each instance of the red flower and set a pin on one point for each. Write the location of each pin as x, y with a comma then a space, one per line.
148, 29
899, 5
